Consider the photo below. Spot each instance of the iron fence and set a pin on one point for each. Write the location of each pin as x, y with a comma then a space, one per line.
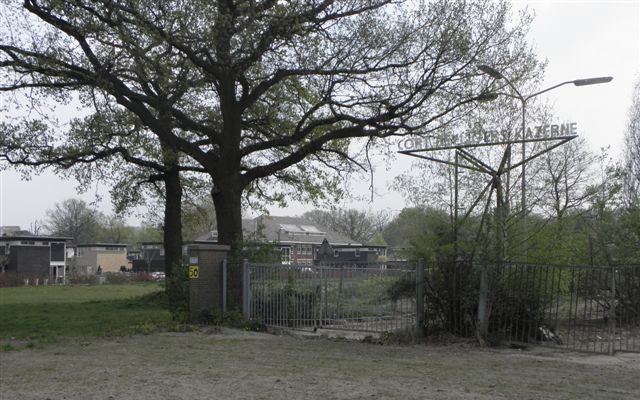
353, 296
594, 309
586, 308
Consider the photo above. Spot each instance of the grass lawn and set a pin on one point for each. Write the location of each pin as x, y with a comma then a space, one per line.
47, 312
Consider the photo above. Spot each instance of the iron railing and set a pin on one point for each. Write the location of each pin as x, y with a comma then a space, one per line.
585, 308
594, 309
351, 296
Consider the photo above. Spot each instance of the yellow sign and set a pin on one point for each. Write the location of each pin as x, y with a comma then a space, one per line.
193, 272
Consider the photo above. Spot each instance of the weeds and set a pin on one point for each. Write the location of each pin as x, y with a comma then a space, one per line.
229, 319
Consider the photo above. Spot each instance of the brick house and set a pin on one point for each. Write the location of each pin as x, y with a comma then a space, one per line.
299, 240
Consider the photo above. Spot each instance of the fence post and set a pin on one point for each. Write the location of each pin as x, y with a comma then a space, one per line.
245, 287
338, 312
612, 313
420, 298
224, 285
481, 328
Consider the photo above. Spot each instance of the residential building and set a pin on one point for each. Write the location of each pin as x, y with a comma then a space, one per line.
298, 241
91, 258
150, 257
43, 256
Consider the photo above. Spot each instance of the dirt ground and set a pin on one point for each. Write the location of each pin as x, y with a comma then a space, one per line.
244, 365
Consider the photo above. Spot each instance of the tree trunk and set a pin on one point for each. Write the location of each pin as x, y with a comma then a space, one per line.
172, 233
228, 204
176, 285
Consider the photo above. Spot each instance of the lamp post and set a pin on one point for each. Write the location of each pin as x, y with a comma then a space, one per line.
523, 100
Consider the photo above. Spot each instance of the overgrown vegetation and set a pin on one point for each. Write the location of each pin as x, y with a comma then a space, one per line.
177, 292
232, 319
287, 301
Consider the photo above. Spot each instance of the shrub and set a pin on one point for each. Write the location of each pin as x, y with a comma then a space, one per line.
118, 278
287, 302
177, 289
13, 279
82, 279
516, 304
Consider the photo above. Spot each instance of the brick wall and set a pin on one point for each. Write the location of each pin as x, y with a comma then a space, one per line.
206, 291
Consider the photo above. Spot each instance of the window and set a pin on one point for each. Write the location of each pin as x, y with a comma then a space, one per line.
357, 253
305, 249
335, 253
285, 255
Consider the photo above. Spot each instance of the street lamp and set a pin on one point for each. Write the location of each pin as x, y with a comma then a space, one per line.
492, 72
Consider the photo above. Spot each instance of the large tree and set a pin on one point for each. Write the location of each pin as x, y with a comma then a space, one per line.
111, 146
632, 150
566, 177
73, 218
267, 96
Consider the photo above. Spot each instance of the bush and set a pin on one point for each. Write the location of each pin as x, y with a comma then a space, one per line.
286, 303
13, 279
82, 279
177, 289
516, 303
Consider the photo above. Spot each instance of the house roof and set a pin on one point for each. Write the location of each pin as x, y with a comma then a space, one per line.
276, 229
102, 245
34, 237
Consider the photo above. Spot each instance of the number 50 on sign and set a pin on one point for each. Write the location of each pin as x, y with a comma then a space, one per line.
193, 272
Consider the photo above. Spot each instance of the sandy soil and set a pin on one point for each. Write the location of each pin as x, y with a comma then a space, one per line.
243, 365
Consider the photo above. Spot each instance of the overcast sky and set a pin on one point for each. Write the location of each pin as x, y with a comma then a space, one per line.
580, 39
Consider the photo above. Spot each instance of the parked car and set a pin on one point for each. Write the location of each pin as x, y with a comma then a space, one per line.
157, 276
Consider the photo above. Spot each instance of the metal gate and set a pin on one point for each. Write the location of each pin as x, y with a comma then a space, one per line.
355, 297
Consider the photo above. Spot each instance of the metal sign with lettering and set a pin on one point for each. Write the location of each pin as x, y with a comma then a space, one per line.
487, 137
194, 273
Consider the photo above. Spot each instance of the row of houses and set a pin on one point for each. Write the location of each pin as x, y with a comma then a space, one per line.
52, 256
291, 240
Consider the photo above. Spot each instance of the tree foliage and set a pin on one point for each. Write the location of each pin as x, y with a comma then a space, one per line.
198, 218
360, 226
632, 150
565, 179
73, 218
267, 97
76, 219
